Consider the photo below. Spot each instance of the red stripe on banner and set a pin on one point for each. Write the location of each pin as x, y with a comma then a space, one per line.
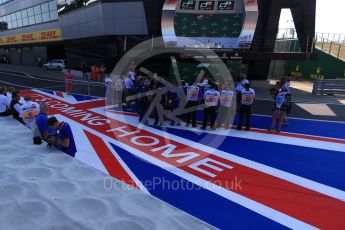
59, 94
294, 200
109, 161
284, 134
91, 104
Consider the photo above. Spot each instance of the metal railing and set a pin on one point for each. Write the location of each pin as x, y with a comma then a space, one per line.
329, 46
337, 38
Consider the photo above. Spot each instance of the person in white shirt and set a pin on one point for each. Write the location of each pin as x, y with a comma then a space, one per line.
211, 99
244, 80
226, 98
129, 88
247, 100
9, 94
282, 105
131, 75
107, 81
4, 104
29, 111
238, 88
193, 97
119, 91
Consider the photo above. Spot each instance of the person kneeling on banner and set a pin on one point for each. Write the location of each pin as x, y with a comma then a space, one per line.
42, 130
211, 100
247, 100
29, 111
64, 140
282, 105
226, 99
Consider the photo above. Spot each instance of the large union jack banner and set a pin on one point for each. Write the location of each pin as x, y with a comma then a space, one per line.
248, 180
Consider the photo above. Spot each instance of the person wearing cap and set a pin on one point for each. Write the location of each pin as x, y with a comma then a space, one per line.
29, 111
282, 104
247, 100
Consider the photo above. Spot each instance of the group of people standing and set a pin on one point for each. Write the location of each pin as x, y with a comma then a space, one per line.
215, 100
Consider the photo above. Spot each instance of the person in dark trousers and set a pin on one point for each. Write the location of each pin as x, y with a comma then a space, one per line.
247, 100
211, 100
65, 140
83, 66
173, 102
15, 107
282, 105
194, 96
144, 99
226, 98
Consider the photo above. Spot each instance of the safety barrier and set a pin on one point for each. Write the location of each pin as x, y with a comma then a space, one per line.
329, 87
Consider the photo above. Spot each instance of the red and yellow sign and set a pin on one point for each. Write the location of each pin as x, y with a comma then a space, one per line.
37, 36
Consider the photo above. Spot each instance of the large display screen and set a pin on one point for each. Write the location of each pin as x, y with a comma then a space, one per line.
226, 5
188, 4
225, 24
206, 5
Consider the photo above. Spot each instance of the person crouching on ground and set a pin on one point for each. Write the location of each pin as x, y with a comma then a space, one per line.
225, 106
65, 140
29, 111
247, 100
4, 104
211, 98
282, 105
15, 106
42, 122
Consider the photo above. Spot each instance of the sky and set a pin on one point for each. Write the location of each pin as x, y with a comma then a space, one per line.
330, 16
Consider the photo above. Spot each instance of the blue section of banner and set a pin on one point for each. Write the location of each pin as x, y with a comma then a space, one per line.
193, 199
299, 126
323, 166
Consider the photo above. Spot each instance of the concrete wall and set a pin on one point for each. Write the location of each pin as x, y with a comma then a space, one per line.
26, 56
121, 18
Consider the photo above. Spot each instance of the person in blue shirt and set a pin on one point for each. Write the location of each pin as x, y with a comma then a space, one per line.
42, 122
64, 140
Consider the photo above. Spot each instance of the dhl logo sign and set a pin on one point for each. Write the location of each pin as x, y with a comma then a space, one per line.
37, 36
